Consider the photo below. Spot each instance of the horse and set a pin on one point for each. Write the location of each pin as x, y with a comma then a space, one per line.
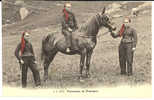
84, 41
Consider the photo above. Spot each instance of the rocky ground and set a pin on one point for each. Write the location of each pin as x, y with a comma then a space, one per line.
43, 18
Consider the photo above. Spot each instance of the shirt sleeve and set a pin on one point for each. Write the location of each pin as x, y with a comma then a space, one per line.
75, 22
134, 38
17, 51
32, 51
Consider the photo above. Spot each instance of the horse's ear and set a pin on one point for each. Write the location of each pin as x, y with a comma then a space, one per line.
103, 10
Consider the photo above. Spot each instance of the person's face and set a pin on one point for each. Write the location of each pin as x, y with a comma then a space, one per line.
27, 37
127, 23
68, 8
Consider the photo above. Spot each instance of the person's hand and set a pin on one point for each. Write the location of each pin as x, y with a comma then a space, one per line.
69, 29
21, 61
35, 62
133, 49
112, 32
77, 27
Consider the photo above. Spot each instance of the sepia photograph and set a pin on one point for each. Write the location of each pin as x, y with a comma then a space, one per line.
78, 48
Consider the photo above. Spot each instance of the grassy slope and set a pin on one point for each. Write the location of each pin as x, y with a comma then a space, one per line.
104, 66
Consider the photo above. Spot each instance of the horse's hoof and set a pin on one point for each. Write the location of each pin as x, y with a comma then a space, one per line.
45, 79
87, 75
80, 76
38, 87
81, 79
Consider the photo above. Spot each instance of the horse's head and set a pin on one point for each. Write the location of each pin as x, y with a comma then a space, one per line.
105, 21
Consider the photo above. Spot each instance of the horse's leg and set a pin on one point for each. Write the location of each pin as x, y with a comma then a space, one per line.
88, 58
82, 60
47, 62
46, 66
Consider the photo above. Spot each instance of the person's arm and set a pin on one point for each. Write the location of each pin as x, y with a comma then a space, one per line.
134, 38
32, 51
17, 51
75, 22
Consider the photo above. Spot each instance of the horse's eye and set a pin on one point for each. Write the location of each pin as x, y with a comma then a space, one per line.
107, 19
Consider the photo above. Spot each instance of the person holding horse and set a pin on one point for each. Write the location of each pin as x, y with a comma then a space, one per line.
127, 46
69, 24
25, 55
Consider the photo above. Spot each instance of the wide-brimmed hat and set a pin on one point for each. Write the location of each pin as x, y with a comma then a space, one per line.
127, 20
68, 5
26, 34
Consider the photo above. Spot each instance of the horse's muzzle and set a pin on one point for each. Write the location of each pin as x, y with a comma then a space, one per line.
114, 28
111, 26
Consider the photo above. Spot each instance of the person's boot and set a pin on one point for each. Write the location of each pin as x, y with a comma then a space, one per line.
67, 49
24, 85
123, 73
38, 87
130, 71
130, 74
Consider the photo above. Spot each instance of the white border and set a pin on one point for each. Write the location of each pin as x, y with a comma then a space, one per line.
152, 44
32, 98
1, 49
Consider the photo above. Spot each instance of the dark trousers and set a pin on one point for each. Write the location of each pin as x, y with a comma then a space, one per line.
126, 58
29, 62
68, 36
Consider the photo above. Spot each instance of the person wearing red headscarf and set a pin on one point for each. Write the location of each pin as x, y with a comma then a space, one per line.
127, 46
69, 24
25, 55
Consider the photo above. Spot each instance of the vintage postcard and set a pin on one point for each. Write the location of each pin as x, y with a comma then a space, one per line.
77, 48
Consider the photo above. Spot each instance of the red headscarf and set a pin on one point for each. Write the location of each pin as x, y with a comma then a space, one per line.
22, 43
66, 14
122, 30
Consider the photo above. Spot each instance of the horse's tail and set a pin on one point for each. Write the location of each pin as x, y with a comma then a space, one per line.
44, 42
42, 49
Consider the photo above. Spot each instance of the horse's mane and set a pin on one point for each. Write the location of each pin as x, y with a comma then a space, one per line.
87, 25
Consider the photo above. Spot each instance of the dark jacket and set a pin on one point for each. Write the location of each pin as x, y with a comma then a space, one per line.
129, 36
28, 50
70, 23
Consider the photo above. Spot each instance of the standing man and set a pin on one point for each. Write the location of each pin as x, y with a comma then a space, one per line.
126, 47
69, 24
25, 55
